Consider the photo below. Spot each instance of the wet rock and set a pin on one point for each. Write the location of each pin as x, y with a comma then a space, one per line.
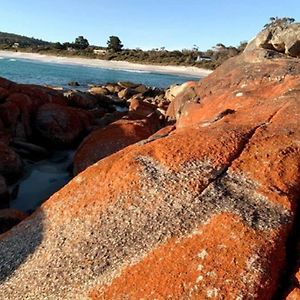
61, 125
73, 83
10, 218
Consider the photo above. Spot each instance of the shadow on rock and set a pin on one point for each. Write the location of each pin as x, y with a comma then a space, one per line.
18, 244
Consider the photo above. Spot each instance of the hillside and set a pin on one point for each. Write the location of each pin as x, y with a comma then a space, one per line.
10, 38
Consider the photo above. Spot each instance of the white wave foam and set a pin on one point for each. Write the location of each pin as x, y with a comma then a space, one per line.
12, 59
133, 71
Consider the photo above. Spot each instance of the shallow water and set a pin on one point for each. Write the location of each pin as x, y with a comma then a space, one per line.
41, 180
55, 74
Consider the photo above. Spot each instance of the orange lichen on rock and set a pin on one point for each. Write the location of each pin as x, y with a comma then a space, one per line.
114, 137
200, 212
213, 262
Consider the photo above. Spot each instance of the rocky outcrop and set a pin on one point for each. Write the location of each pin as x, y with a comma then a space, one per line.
200, 212
183, 93
36, 121
61, 124
98, 90
284, 39
174, 90
140, 109
81, 100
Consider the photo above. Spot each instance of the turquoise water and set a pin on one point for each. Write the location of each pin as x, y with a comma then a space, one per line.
36, 72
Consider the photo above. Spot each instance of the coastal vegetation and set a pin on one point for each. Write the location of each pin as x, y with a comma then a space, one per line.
9, 39
209, 59
114, 44
279, 22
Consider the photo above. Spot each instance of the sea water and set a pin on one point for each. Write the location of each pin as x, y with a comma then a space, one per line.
57, 74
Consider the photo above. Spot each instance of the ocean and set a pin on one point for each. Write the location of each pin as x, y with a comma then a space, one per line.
57, 74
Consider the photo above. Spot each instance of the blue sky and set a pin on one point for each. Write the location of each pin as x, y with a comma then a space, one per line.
147, 24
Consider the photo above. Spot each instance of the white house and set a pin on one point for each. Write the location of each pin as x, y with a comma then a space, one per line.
99, 51
203, 58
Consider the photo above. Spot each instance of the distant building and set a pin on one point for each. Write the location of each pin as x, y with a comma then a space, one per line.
99, 51
71, 49
15, 45
203, 58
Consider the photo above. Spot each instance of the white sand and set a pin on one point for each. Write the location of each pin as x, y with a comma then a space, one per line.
114, 65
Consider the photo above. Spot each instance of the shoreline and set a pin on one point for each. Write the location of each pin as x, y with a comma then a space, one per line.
109, 64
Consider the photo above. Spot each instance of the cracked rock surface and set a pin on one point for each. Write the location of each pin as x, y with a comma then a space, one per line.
203, 212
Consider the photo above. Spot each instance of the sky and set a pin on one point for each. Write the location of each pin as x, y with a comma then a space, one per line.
146, 24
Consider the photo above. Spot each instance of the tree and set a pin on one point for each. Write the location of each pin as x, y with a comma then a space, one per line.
81, 43
242, 46
58, 46
279, 22
114, 44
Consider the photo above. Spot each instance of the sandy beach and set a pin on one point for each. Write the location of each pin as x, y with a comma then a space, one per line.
114, 65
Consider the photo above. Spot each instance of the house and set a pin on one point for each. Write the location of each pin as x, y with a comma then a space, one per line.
201, 58
15, 45
100, 51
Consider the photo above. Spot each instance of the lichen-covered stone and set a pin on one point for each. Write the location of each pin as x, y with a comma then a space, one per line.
200, 212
